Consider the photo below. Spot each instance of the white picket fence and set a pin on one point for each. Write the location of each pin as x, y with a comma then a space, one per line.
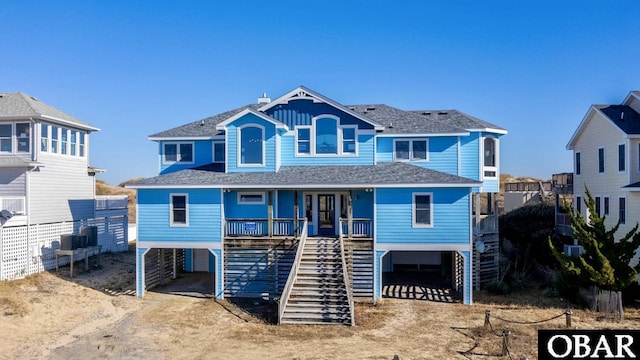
26, 250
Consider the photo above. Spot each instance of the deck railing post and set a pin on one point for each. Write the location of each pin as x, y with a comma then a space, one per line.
349, 215
295, 214
270, 214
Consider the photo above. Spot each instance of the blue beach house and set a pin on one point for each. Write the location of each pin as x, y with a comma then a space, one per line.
308, 202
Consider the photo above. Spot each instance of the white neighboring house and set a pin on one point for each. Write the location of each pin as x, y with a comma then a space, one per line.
47, 187
606, 158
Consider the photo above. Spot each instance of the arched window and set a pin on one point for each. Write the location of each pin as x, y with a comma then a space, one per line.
490, 167
326, 136
251, 145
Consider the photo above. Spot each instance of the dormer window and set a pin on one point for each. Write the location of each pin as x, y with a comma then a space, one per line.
490, 154
326, 137
251, 144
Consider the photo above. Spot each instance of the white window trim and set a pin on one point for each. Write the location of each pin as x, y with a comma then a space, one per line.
11, 138
411, 158
48, 138
186, 210
618, 157
178, 143
241, 202
311, 141
604, 160
575, 163
413, 209
213, 152
239, 137
339, 138
15, 136
496, 154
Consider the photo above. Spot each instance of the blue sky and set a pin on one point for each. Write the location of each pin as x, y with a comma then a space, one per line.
134, 68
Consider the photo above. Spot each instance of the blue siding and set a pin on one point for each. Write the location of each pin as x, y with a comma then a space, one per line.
362, 204
233, 150
285, 204
203, 154
300, 112
443, 153
468, 278
470, 156
365, 154
244, 211
394, 218
204, 215
188, 260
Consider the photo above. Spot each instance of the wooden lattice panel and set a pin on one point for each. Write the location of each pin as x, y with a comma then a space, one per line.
14, 253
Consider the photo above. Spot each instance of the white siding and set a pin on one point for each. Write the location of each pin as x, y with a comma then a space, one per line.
600, 132
61, 190
13, 182
634, 103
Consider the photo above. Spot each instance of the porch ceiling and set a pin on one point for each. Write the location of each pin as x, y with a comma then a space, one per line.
379, 175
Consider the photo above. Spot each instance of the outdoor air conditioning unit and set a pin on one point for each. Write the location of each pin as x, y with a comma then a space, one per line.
573, 250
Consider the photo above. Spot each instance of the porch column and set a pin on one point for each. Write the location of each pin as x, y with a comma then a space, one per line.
140, 286
296, 209
270, 213
218, 280
349, 215
467, 288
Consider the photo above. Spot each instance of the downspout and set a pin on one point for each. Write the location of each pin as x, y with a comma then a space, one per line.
34, 157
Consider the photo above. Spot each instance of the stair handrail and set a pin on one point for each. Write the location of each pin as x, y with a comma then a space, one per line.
293, 274
345, 277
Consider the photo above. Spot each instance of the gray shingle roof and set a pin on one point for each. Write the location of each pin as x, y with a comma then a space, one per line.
203, 127
629, 123
459, 119
398, 121
12, 161
311, 176
17, 104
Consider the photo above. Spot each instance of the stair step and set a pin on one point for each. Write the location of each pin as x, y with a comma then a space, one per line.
316, 316
309, 322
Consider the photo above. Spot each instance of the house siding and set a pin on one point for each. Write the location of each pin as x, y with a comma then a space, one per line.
13, 182
450, 209
600, 132
365, 154
204, 211
245, 211
443, 153
61, 190
301, 112
233, 150
470, 156
202, 155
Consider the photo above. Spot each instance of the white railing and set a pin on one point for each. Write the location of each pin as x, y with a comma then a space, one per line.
345, 277
259, 227
359, 227
111, 202
14, 204
293, 274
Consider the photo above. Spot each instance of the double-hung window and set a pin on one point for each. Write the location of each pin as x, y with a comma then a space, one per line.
179, 215
422, 210
410, 150
64, 141
44, 137
177, 153
81, 149
74, 142
23, 137
303, 140
54, 139
348, 140
6, 142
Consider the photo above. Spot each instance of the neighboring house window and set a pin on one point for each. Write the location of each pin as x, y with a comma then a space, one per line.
597, 201
251, 198
218, 152
606, 205
74, 142
578, 164
179, 214
622, 210
63, 141
54, 139
23, 136
422, 211
326, 136
178, 153
251, 145
579, 204
601, 160
81, 149
348, 140
44, 137
621, 157
303, 140
5, 138
490, 167
410, 150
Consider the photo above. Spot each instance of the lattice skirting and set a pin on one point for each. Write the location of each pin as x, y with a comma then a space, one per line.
29, 249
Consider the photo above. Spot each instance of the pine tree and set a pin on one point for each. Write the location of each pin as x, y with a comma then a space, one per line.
605, 262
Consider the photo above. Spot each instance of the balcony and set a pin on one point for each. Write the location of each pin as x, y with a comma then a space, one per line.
260, 227
112, 202
360, 228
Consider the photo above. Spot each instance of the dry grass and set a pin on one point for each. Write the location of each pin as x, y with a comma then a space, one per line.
103, 188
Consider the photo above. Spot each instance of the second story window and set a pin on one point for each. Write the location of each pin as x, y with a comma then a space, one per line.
349, 140
44, 137
410, 150
54, 139
6, 138
218, 152
303, 141
81, 149
621, 157
179, 215
23, 137
251, 146
578, 164
326, 136
422, 212
63, 141
74, 143
489, 157
601, 160
597, 200
177, 153
622, 210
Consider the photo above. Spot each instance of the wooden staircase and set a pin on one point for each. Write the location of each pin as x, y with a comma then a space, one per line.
319, 293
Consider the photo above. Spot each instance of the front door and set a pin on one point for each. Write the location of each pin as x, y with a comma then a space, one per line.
326, 214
